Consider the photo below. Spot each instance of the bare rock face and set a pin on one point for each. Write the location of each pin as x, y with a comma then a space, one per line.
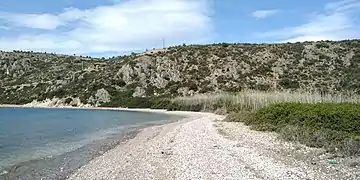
101, 96
75, 102
57, 102
127, 72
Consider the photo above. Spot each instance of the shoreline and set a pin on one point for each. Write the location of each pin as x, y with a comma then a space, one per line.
48, 166
50, 170
184, 114
202, 146
145, 134
164, 111
71, 161
63, 165
80, 107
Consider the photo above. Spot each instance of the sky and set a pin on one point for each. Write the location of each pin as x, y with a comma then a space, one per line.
115, 27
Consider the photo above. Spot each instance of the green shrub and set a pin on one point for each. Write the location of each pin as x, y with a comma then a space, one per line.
237, 116
123, 99
68, 100
333, 126
161, 103
174, 106
335, 116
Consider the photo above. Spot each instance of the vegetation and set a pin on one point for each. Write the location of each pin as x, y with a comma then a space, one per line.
326, 67
333, 126
252, 100
139, 102
300, 90
314, 119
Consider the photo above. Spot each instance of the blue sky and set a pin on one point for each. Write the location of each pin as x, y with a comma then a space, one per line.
113, 27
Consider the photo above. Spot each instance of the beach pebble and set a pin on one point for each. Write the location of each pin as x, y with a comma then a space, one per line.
190, 149
3, 173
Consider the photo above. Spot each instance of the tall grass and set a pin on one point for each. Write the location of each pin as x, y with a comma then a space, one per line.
252, 100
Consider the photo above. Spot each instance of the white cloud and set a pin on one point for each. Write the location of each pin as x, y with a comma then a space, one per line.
131, 25
336, 22
264, 13
342, 5
40, 21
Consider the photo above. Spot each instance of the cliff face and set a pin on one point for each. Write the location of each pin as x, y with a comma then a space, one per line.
326, 66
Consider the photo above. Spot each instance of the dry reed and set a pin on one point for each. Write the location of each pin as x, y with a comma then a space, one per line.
250, 100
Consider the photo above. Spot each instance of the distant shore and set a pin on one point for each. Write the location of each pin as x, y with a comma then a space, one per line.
86, 107
164, 111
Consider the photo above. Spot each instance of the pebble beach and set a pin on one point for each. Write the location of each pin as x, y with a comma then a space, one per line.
202, 146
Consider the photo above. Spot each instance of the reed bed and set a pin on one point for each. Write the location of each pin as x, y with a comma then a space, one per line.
252, 100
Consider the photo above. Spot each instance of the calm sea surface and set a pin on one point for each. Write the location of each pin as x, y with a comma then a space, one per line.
28, 133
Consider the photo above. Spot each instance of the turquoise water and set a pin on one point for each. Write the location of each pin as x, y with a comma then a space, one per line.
28, 133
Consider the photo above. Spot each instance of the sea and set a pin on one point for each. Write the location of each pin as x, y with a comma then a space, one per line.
51, 143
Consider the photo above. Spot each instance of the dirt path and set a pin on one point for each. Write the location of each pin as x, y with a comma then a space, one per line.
202, 147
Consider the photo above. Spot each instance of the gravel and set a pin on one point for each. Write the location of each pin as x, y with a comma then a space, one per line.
202, 147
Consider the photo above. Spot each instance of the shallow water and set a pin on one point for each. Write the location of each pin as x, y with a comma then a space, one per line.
29, 134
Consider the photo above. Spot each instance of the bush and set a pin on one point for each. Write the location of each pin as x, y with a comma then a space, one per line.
333, 126
335, 116
68, 100
161, 103
129, 102
174, 106
237, 116
137, 102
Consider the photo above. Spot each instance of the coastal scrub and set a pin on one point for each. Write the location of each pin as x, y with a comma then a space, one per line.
333, 126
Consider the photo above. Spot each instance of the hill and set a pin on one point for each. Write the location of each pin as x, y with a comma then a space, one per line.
324, 66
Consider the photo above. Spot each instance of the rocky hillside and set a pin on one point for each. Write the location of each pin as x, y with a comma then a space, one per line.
325, 66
